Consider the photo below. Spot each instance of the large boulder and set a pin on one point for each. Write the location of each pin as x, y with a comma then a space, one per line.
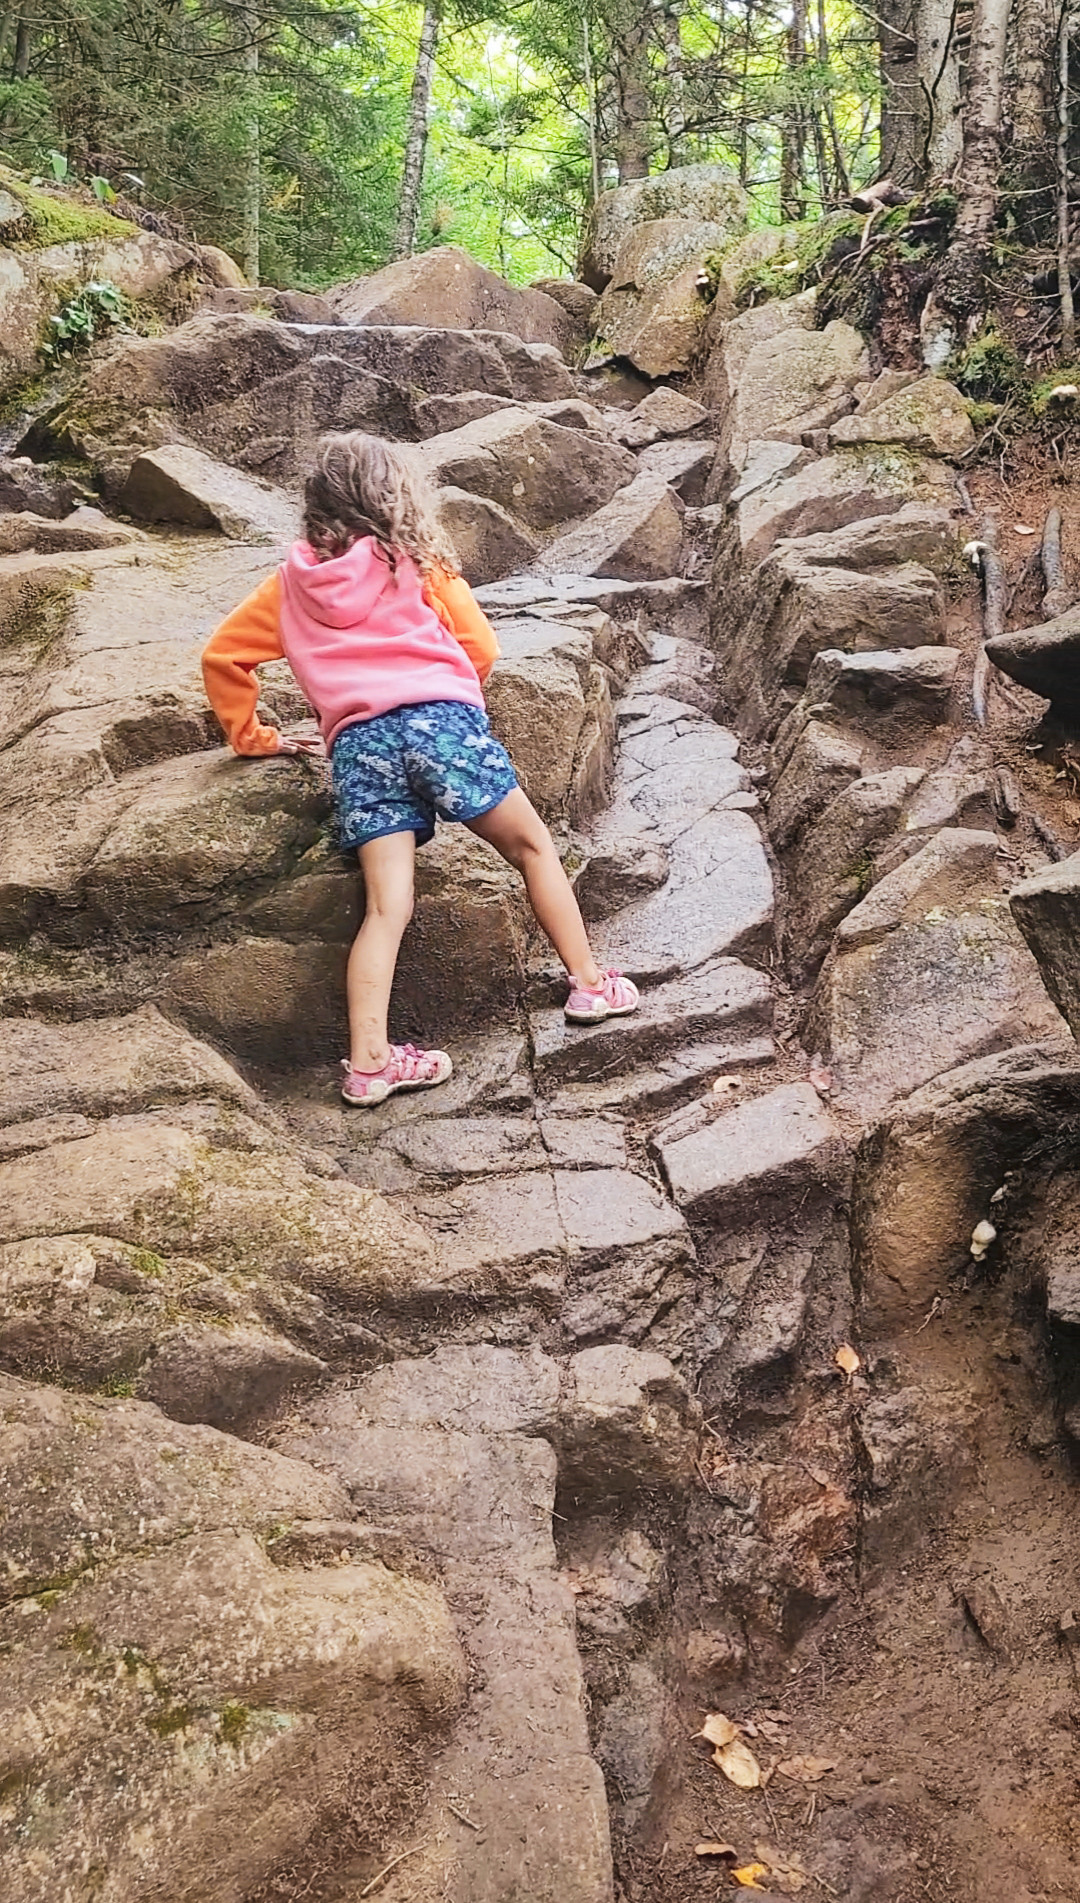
692, 192
926, 1175
64, 245
1046, 907
543, 474
929, 416
260, 393
851, 485
635, 537
183, 485
545, 696
917, 988
653, 309
790, 383
263, 1654
490, 543
728, 340
1045, 659
446, 288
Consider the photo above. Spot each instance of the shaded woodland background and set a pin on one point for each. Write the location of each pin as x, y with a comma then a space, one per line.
317, 140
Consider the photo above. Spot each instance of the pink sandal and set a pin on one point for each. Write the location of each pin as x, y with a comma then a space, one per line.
406, 1068
613, 997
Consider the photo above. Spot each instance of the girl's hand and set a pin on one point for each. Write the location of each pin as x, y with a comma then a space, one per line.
301, 743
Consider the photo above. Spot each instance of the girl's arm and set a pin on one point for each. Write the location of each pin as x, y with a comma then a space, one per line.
246, 638
456, 607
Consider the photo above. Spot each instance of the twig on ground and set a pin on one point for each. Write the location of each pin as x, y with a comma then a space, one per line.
392, 1865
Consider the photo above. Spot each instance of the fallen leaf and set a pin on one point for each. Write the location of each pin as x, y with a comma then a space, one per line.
847, 1359
822, 1080
1021, 528
718, 1729
806, 1770
748, 1875
739, 1765
786, 1874
818, 1475
715, 1850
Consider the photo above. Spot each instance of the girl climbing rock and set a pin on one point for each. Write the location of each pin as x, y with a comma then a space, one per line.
390, 648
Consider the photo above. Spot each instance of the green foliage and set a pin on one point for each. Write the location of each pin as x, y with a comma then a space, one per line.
988, 369
96, 307
807, 249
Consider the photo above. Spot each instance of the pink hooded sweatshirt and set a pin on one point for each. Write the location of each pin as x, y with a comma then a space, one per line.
362, 640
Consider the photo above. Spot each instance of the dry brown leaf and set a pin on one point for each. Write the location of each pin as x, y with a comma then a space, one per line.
806, 1770
739, 1765
818, 1475
822, 1079
715, 1850
718, 1729
786, 1874
748, 1875
1021, 528
847, 1359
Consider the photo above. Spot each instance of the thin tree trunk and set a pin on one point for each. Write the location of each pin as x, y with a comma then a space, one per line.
7, 21
24, 41
1033, 44
902, 111
251, 178
843, 182
959, 289
591, 109
412, 176
632, 141
792, 130
676, 88
1068, 314
937, 62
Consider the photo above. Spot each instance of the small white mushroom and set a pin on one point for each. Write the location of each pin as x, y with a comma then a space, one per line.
1063, 393
973, 552
982, 1236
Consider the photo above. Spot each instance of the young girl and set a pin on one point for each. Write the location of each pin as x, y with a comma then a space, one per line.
390, 649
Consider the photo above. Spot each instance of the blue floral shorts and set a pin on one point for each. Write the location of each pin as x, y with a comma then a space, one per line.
393, 774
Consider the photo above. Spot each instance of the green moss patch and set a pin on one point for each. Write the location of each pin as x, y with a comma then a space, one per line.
60, 217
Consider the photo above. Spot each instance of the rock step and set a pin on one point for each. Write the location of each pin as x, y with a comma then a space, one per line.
446, 1453
586, 1254
719, 1001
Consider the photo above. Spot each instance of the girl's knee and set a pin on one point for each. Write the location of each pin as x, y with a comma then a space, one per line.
391, 908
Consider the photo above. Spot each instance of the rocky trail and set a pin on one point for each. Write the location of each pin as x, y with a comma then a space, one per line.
390, 1496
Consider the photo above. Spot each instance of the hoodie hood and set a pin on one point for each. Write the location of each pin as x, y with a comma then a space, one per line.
340, 593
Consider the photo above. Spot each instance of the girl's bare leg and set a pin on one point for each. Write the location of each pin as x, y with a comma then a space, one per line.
387, 865
515, 829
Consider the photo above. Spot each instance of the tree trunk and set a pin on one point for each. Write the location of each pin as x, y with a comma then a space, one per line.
902, 110
959, 289
1068, 313
1033, 113
792, 130
937, 62
24, 40
412, 176
592, 109
251, 179
843, 182
676, 88
633, 145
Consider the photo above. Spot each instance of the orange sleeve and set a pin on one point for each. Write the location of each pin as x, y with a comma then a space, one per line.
457, 609
246, 638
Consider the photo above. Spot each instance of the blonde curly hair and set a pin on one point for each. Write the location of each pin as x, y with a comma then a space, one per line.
361, 485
